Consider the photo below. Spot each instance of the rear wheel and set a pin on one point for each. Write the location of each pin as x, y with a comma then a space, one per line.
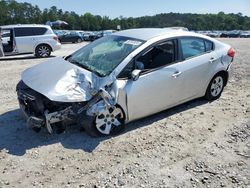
43, 51
79, 40
215, 87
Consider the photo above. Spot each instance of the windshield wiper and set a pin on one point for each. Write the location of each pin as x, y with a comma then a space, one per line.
67, 57
80, 65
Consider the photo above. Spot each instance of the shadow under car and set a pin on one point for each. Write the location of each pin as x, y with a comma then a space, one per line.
16, 138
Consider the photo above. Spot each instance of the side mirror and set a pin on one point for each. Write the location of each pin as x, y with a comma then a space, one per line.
135, 74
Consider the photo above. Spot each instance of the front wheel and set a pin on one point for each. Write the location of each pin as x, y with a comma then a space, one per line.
215, 87
107, 122
43, 51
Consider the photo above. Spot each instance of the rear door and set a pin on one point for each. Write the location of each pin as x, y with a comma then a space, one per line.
74, 36
198, 60
66, 38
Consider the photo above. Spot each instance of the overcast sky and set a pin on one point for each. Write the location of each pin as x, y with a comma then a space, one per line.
136, 8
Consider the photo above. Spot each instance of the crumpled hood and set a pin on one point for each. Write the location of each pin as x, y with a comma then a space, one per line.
62, 81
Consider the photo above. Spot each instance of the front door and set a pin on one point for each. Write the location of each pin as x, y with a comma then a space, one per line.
153, 92
159, 85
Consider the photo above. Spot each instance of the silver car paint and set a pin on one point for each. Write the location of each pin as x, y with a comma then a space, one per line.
137, 98
163, 84
181, 89
62, 81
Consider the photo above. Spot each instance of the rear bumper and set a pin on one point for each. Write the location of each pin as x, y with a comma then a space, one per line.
57, 46
230, 72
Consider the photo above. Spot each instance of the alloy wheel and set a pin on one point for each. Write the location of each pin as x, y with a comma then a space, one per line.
43, 51
216, 86
109, 120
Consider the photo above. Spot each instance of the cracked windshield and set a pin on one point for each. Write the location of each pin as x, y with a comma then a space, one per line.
104, 55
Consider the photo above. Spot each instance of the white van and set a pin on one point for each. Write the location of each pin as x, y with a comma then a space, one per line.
22, 39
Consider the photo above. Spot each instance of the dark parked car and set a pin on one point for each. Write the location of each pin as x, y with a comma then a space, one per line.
245, 34
224, 34
59, 32
234, 34
85, 35
71, 37
99, 34
95, 35
231, 34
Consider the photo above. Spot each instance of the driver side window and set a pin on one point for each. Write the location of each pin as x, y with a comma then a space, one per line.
158, 56
155, 57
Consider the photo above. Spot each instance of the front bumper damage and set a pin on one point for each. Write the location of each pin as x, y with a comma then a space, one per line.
36, 123
58, 92
42, 112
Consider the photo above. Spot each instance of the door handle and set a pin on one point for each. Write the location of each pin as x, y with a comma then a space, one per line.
212, 60
176, 74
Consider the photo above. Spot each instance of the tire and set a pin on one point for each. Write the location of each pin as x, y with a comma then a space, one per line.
79, 40
108, 122
215, 87
43, 51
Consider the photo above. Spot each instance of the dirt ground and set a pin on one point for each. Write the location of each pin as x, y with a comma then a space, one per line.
197, 144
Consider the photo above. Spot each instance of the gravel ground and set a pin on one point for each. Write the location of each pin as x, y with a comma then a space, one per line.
197, 144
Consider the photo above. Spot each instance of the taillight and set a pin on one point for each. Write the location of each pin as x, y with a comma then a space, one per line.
56, 38
231, 52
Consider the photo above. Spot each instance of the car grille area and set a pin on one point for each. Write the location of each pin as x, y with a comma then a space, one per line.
34, 103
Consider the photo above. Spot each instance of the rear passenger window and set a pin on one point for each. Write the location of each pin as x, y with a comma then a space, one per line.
22, 32
39, 30
29, 31
209, 46
192, 47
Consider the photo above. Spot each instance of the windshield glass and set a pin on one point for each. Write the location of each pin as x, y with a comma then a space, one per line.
104, 55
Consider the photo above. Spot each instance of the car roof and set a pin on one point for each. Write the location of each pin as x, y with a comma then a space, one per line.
23, 25
150, 33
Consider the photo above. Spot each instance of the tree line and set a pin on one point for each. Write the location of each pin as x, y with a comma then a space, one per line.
12, 12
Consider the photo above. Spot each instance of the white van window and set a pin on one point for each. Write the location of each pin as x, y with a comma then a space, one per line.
30, 31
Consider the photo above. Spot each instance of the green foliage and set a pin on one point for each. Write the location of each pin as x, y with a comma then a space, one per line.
12, 12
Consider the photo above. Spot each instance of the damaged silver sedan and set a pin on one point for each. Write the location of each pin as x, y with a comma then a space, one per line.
123, 77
